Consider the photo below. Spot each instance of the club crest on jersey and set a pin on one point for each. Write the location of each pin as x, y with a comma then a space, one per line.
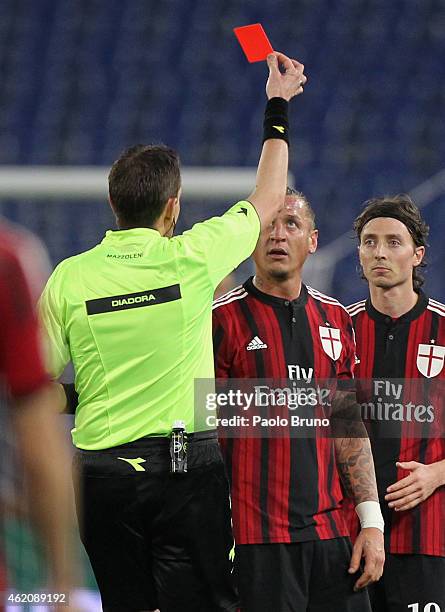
430, 359
330, 341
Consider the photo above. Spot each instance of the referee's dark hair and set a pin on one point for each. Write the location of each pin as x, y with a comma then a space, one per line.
140, 183
299, 195
399, 207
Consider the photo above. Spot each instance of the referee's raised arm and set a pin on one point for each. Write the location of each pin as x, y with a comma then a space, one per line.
286, 80
222, 243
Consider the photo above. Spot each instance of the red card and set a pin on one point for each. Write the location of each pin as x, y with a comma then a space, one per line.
254, 42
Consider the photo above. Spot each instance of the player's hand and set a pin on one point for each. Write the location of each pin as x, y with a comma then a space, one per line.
421, 482
287, 82
59, 397
369, 545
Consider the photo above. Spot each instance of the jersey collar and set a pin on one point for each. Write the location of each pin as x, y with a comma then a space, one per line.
272, 299
135, 232
412, 314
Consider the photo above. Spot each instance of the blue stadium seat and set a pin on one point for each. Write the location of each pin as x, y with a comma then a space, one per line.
82, 80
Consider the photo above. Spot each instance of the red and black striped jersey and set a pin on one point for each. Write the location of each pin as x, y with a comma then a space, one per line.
22, 265
404, 420
283, 489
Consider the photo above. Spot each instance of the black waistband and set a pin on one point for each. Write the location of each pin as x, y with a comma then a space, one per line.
160, 442
203, 435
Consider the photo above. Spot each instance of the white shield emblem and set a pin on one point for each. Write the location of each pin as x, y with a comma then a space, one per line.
430, 359
330, 341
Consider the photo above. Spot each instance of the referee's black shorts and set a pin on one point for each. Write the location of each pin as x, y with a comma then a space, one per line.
157, 539
298, 577
410, 583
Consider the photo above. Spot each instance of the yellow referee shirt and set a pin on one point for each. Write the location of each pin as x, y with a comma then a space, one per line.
133, 314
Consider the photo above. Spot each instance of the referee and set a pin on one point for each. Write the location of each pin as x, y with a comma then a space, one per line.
133, 314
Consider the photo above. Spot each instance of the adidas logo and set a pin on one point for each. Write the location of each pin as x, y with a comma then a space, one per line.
255, 344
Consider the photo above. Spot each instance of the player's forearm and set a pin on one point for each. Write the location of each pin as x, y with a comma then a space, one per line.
356, 468
46, 461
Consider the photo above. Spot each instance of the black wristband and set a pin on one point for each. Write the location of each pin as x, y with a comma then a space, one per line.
72, 399
276, 121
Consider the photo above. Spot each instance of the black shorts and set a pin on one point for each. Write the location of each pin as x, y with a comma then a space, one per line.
301, 577
155, 538
409, 580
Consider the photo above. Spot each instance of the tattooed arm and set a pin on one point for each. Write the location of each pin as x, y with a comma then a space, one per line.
353, 450
356, 469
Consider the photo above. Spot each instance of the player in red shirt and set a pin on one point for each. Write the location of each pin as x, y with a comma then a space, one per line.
292, 549
42, 448
400, 336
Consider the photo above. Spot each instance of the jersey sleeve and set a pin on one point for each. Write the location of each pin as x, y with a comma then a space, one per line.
222, 352
224, 242
21, 358
57, 351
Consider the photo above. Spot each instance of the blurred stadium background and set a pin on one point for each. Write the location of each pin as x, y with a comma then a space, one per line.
83, 79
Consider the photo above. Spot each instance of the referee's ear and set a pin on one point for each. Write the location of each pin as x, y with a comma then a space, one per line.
178, 204
112, 209
169, 216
